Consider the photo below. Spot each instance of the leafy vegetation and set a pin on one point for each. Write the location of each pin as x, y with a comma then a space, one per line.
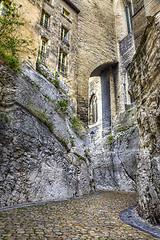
63, 143
11, 41
110, 139
38, 68
5, 117
132, 130
62, 106
43, 116
72, 140
87, 151
55, 80
75, 122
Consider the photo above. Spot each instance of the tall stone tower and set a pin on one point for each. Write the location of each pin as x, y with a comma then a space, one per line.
105, 47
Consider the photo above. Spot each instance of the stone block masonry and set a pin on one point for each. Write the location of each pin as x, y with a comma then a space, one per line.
96, 44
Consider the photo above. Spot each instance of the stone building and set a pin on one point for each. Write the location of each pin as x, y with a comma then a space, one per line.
82, 45
90, 43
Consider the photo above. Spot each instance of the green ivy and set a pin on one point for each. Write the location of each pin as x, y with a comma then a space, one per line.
11, 41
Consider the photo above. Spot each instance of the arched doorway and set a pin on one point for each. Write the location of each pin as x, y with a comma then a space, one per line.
106, 98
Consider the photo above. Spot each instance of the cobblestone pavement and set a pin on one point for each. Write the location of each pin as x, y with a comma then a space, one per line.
94, 217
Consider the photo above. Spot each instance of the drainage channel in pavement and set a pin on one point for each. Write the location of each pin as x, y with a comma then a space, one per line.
130, 217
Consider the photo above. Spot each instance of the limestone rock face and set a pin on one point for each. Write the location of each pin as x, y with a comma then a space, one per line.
115, 156
41, 156
115, 169
145, 89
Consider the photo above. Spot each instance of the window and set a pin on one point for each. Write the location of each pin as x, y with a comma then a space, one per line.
44, 20
93, 110
62, 62
129, 17
42, 50
64, 34
65, 13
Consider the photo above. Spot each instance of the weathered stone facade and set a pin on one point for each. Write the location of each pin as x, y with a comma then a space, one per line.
145, 89
35, 31
85, 49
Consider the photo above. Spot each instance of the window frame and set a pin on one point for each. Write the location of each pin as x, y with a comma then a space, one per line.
44, 15
65, 13
42, 52
93, 110
129, 14
62, 66
64, 37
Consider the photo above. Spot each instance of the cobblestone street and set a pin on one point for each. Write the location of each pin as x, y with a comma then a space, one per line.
94, 217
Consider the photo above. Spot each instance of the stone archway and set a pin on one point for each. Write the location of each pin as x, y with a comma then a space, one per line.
108, 83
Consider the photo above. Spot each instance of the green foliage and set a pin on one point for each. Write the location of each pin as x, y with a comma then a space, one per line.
5, 117
132, 130
121, 134
75, 122
62, 106
28, 135
81, 136
110, 139
11, 41
43, 116
56, 83
9, 59
33, 83
80, 158
72, 140
87, 151
63, 143
50, 125
38, 68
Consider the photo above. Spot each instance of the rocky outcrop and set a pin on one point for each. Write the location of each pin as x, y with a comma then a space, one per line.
114, 161
41, 156
145, 89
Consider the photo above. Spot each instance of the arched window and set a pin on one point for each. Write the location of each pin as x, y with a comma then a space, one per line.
93, 116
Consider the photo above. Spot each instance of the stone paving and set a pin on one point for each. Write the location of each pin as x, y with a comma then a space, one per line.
94, 217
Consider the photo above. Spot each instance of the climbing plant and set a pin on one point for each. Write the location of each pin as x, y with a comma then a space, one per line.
11, 40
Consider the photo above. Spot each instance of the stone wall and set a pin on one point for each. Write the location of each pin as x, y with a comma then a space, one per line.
42, 153
95, 89
31, 12
127, 50
94, 31
151, 7
96, 44
139, 20
145, 90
